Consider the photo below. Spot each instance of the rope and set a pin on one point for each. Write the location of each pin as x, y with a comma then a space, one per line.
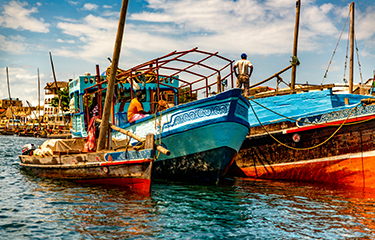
160, 130
329, 64
359, 64
346, 57
308, 148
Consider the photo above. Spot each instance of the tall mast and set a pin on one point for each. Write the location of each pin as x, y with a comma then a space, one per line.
38, 98
112, 78
57, 89
10, 98
294, 60
351, 54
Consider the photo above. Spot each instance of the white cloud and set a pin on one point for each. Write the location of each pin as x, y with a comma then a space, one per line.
23, 84
90, 6
13, 44
65, 41
260, 27
17, 16
107, 6
73, 3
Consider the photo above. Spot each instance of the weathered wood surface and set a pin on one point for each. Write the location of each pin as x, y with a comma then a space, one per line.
265, 150
112, 77
291, 91
348, 158
92, 168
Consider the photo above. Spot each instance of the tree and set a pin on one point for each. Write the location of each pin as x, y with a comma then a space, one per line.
64, 95
185, 96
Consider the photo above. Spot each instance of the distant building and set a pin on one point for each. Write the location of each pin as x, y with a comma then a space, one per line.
49, 94
5, 103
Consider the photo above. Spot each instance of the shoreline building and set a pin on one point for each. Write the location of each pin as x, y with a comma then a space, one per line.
51, 113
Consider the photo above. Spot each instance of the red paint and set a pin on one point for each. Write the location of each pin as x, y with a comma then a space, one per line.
356, 172
138, 184
112, 163
329, 124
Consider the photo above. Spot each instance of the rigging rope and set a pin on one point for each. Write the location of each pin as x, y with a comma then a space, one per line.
359, 64
308, 148
329, 64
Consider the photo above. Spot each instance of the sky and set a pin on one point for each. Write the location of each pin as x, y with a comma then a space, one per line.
81, 34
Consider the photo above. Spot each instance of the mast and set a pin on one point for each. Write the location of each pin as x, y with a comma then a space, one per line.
10, 98
351, 54
38, 98
112, 78
294, 59
57, 89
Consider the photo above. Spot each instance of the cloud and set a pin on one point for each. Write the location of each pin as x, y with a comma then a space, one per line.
73, 3
95, 36
17, 16
231, 27
13, 44
90, 7
65, 41
23, 84
107, 6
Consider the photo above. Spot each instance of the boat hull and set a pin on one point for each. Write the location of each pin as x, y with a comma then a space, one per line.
356, 170
203, 137
93, 168
207, 166
346, 157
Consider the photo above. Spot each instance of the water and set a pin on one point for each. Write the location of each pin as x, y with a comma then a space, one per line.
34, 208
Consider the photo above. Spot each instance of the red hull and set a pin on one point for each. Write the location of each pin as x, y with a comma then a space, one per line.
356, 170
138, 184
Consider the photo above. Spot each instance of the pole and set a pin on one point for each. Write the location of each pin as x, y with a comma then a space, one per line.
10, 98
8, 86
294, 68
351, 54
136, 137
112, 79
38, 98
57, 89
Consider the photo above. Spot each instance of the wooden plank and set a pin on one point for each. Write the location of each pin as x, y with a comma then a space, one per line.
291, 91
136, 137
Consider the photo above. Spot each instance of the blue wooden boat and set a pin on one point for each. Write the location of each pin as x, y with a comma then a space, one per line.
203, 135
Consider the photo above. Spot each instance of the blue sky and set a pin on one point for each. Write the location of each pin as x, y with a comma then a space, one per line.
80, 34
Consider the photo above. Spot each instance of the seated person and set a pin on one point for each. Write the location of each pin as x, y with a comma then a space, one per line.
135, 110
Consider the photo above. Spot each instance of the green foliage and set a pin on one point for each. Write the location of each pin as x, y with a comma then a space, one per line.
64, 94
185, 96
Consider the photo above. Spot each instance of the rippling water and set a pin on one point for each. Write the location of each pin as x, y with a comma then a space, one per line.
34, 208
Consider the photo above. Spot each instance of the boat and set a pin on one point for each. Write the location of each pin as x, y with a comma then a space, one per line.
312, 134
80, 160
63, 159
203, 135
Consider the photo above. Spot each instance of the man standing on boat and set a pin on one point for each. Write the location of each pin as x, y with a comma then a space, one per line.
135, 110
243, 75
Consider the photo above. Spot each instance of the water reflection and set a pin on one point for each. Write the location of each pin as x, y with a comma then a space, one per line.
37, 208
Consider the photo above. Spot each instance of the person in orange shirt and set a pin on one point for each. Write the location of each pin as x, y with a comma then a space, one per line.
135, 110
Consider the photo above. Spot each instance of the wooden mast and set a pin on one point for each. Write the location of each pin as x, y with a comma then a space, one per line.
351, 54
57, 89
10, 98
38, 98
112, 79
294, 59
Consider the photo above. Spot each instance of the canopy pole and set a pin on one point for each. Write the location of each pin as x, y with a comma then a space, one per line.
112, 79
